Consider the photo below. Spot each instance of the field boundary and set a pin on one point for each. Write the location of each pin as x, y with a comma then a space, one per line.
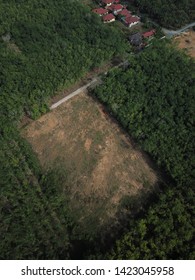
74, 93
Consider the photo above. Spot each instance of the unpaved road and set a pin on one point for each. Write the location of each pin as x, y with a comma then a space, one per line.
76, 92
95, 81
171, 33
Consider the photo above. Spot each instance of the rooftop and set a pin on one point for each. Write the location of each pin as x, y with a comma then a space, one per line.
107, 1
108, 17
100, 11
149, 33
125, 12
131, 19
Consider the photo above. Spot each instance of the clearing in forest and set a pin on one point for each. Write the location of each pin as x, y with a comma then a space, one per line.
104, 168
187, 41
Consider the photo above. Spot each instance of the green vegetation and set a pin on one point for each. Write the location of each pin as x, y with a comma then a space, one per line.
44, 47
30, 218
154, 102
165, 231
57, 45
155, 110
169, 13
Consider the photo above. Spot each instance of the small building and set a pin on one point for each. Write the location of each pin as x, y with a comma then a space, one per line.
110, 8
107, 2
100, 11
149, 34
117, 8
108, 18
125, 13
130, 21
136, 39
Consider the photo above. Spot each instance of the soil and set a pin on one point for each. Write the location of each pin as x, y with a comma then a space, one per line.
102, 163
187, 41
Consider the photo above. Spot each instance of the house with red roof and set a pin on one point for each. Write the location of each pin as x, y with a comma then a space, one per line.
125, 13
100, 11
148, 34
117, 8
131, 20
107, 2
108, 18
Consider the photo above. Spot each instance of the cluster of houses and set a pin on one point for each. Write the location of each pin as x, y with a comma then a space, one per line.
139, 39
109, 10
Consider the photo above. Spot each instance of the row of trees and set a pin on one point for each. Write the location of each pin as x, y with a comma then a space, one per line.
44, 46
169, 13
165, 231
31, 224
55, 45
154, 102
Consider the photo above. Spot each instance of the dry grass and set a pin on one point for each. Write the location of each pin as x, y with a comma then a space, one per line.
103, 166
187, 41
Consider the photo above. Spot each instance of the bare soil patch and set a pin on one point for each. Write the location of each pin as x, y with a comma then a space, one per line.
187, 41
103, 165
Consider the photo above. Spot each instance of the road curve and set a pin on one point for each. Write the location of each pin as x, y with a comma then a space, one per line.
171, 33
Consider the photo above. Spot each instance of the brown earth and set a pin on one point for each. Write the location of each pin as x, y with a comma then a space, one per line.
103, 165
187, 41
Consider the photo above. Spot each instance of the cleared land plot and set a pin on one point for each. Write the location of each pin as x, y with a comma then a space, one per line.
187, 41
103, 166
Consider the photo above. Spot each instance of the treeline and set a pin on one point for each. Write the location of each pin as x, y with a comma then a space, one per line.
164, 231
154, 101
169, 13
45, 46
48, 45
31, 222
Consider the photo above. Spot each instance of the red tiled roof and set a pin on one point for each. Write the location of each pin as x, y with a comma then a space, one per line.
125, 12
115, 7
149, 33
131, 19
118, 7
110, 8
107, 1
116, 1
100, 11
108, 17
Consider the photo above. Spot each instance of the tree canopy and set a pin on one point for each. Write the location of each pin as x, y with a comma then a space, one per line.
154, 101
45, 46
169, 13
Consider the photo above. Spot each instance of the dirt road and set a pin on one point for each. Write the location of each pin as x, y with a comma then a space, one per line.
76, 92
95, 81
171, 33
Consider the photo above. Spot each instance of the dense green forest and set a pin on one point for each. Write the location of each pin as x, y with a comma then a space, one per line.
168, 13
154, 101
164, 231
34, 220
45, 46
